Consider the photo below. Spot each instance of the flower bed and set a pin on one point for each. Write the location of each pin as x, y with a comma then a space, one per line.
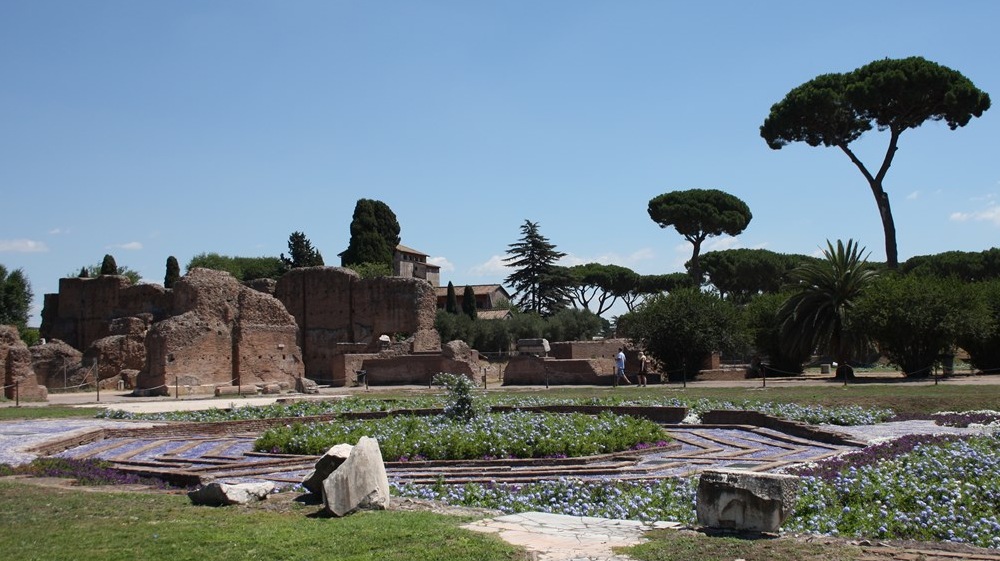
849, 415
666, 499
509, 435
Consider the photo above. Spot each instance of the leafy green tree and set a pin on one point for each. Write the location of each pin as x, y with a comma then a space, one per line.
649, 285
764, 325
451, 300
891, 94
682, 328
572, 325
698, 214
371, 270
914, 321
242, 268
374, 234
469, 302
965, 265
94, 271
606, 283
740, 274
173, 272
984, 346
819, 313
108, 266
301, 253
542, 285
15, 298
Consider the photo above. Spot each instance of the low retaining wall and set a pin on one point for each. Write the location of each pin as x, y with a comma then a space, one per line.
794, 428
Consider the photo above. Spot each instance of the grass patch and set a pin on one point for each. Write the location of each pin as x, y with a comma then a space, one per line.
48, 412
666, 545
59, 524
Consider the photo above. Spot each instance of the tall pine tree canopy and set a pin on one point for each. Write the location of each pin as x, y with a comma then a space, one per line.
540, 285
301, 253
892, 95
374, 234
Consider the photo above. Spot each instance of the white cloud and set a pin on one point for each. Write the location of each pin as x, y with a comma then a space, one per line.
629, 260
494, 266
989, 214
912, 196
57, 231
23, 246
442, 262
130, 246
720, 243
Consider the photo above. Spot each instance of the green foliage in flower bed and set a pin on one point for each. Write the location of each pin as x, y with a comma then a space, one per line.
666, 499
514, 435
816, 414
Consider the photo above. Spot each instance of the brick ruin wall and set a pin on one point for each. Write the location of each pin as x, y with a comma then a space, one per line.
211, 330
82, 311
339, 313
224, 334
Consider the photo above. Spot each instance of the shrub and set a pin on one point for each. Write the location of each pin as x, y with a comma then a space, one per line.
510, 435
460, 405
915, 320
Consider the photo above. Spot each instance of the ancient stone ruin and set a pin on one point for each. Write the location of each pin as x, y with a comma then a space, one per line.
210, 332
745, 501
221, 333
19, 378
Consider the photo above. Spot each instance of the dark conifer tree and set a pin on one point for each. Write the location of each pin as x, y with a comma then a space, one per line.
301, 253
469, 303
540, 285
108, 266
173, 272
451, 302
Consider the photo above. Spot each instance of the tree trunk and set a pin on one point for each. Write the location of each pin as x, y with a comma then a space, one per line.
888, 226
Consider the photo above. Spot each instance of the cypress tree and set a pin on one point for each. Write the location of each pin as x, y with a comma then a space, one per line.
451, 302
469, 302
108, 266
173, 272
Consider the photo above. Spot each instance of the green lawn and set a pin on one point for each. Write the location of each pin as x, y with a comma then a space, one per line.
47, 412
50, 524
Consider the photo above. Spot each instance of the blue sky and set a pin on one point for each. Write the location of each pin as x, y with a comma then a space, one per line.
151, 129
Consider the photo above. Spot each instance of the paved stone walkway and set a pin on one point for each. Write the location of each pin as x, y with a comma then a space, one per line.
558, 537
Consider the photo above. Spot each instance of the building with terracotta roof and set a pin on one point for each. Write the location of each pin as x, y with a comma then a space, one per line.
410, 263
489, 297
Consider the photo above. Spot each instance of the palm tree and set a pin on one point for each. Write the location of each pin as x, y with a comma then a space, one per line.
817, 315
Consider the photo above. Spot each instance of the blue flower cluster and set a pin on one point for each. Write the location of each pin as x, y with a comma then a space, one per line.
665, 499
948, 490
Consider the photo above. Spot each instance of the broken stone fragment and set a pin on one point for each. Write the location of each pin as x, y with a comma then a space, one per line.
326, 465
223, 494
744, 500
360, 483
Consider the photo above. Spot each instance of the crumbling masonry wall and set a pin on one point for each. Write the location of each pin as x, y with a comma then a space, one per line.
82, 311
338, 312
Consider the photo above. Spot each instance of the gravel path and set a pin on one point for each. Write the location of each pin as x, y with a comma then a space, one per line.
18, 436
889, 431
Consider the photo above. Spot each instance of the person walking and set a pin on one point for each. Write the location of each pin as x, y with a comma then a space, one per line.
620, 366
643, 366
